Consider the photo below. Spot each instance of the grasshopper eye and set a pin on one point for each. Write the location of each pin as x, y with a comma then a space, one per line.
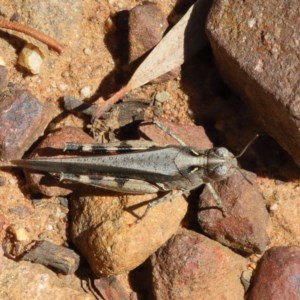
222, 152
221, 170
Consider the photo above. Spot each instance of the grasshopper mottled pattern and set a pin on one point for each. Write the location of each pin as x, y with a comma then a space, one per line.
139, 167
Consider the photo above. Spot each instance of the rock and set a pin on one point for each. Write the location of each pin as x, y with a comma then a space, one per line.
191, 135
21, 211
146, 26
3, 76
31, 58
246, 278
244, 227
107, 231
53, 145
22, 120
60, 258
111, 288
60, 20
20, 234
256, 47
277, 275
191, 266
86, 92
284, 227
162, 97
34, 281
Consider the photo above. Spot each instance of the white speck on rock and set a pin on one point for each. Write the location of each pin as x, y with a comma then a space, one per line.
259, 66
274, 207
251, 22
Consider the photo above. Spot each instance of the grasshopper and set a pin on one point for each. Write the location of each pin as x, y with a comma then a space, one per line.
141, 167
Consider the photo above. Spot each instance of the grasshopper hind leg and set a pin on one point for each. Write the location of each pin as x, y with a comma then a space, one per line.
122, 185
122, 146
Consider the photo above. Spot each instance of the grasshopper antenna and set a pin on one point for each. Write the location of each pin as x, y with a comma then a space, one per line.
247, 146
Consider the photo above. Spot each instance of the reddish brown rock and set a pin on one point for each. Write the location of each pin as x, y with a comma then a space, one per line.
244, 227
191, 266
277, 275
111, 288
256, 47
53, 145
22, 120
146, 26
108, 232
191, 135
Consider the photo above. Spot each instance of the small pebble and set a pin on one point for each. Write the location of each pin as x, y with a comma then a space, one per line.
246, 278
87, 51
162, 97
62, 87
31, 58
109, 25
190, 113
157, 111
19, 233
15, 17
2, 181
2, 12
252, 266
63, 201
279, 182
65, 74
86, 92
2, 62
274, 207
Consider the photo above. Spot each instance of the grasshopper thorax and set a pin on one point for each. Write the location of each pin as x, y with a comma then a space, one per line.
220, 164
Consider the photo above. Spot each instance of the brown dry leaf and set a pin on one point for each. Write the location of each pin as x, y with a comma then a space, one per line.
179, 44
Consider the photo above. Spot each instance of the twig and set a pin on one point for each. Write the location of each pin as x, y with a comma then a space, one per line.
109, 103
32, 32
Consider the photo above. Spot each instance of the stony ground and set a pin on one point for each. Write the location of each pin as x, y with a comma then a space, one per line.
92, 58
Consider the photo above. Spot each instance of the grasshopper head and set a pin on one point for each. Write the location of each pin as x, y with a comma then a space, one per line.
220, 164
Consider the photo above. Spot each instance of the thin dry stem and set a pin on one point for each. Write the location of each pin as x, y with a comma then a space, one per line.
110, 102
33, 33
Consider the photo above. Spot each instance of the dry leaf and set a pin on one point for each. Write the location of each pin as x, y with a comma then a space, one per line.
179, 44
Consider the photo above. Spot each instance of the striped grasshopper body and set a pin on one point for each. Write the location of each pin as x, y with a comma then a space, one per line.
139, 167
